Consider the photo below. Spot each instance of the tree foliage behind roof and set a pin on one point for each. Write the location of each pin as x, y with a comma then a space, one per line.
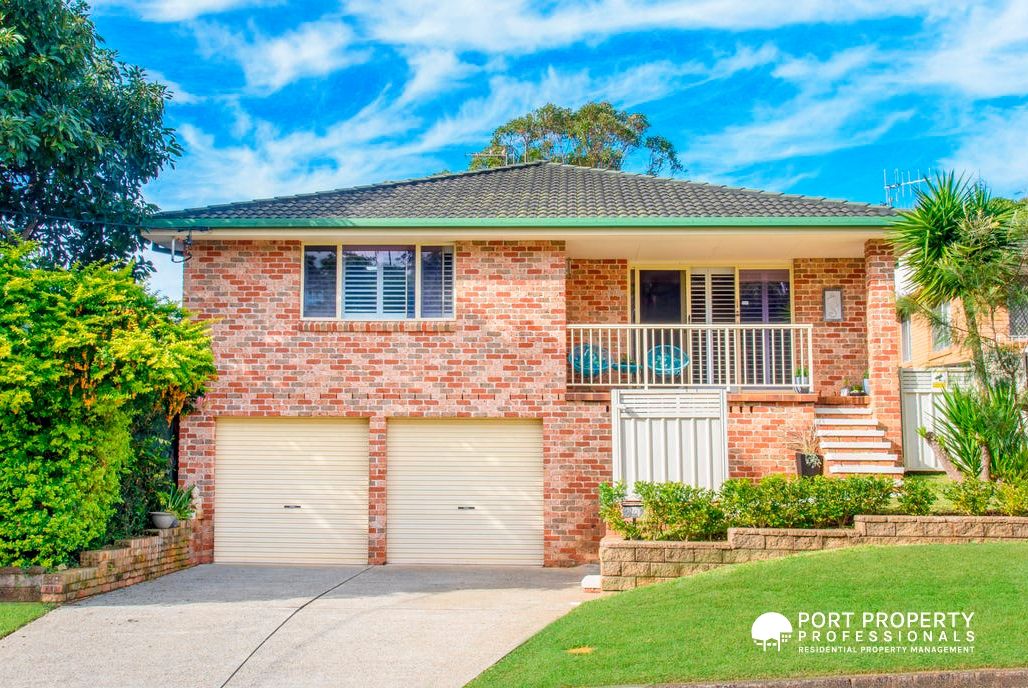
595, 135
80, 134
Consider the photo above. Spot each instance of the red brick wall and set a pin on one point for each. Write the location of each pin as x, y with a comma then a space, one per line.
840, 348
597, 291
883, 337
503, 357
758, 437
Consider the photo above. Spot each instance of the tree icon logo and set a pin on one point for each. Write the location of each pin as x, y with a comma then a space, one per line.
771, 629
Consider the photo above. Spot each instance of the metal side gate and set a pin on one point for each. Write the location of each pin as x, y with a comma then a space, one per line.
920, 390
663, 435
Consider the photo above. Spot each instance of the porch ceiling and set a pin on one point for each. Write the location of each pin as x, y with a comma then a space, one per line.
760, 245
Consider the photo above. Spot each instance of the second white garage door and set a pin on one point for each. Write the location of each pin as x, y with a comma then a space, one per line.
465, 492
291, 491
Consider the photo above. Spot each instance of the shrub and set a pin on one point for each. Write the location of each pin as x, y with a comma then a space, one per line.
916, 497
971, 496
612, 496
970, 420
1012, 498
80, 351
672, 511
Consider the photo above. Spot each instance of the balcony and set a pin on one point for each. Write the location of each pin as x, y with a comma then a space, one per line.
757, 357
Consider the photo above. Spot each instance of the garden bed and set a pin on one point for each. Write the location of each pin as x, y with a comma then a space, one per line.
626, 564
126, 563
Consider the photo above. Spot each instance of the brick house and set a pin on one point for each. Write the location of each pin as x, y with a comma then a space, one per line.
443, 370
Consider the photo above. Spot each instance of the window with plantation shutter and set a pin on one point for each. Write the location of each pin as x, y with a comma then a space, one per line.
378, 282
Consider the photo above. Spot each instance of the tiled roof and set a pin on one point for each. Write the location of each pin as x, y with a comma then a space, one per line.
536, 190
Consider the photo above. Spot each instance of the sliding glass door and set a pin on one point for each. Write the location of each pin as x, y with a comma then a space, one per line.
765, 299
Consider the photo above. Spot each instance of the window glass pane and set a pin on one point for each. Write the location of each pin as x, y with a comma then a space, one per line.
319, 282
905, 341
660, 296
436, 282
1018, 311
378, 282
940, 330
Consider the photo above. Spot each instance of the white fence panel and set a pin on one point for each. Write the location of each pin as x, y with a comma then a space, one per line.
919, 393
675, 435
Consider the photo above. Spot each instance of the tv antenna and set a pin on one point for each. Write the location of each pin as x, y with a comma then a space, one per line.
498, 152
904, 186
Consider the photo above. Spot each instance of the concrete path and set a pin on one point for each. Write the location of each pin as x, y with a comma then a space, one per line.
378, 626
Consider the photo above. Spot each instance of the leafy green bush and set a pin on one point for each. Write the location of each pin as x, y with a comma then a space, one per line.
970, 420
672, 511
1012, 498
916, 497
80, 351
971, 496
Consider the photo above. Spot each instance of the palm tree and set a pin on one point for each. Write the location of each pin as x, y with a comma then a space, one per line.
959, 243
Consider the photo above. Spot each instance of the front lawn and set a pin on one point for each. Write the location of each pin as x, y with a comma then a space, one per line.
14, 615
698, 628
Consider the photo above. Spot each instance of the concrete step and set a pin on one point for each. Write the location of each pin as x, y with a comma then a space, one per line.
865, 468
851, 432
860, 456
855, 445
845, 421
842, 410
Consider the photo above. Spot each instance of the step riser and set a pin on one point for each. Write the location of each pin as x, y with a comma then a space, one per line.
845, 421
857, 456
856, 446
860, 469
851, 433
842, 411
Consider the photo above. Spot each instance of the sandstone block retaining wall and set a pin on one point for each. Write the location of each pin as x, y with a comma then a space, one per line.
626, 564
126, 563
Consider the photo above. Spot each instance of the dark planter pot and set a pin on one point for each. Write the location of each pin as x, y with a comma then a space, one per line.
806, 470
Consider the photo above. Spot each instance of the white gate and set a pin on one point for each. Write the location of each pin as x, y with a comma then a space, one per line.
919, 393
670, 435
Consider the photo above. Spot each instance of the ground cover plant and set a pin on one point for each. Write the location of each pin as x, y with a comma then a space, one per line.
14, 615
698, 628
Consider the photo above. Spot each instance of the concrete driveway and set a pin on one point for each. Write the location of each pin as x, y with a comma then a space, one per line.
375, 626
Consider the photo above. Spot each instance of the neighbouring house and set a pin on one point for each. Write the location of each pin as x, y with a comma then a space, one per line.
442, 370
923, 345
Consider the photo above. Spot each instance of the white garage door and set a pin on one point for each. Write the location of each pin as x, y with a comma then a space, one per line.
465, 492
291, 491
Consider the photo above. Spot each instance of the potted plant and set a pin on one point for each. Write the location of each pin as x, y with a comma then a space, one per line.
867, 382
801, 380
176, 504
857, 390
804, 441
845, 391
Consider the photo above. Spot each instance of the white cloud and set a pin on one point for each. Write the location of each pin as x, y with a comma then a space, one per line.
433, 71
178, 10
516, 26
995, 148
980, 51
313, 49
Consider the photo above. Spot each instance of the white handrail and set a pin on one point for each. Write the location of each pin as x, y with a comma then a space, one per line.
719, 355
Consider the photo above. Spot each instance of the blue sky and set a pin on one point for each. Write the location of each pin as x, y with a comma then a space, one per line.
801, 96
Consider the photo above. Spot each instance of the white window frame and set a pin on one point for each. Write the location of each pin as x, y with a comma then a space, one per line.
340, 246
906, 340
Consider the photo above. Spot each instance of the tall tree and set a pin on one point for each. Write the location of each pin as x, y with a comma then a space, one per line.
960, 244
80, 134
595, 135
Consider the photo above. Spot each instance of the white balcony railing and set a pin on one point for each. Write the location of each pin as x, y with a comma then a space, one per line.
737, 356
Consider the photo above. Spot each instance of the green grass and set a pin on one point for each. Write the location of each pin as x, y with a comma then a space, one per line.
14, 615
698, 628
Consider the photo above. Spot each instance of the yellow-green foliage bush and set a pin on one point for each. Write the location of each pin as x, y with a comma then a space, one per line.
79, 350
